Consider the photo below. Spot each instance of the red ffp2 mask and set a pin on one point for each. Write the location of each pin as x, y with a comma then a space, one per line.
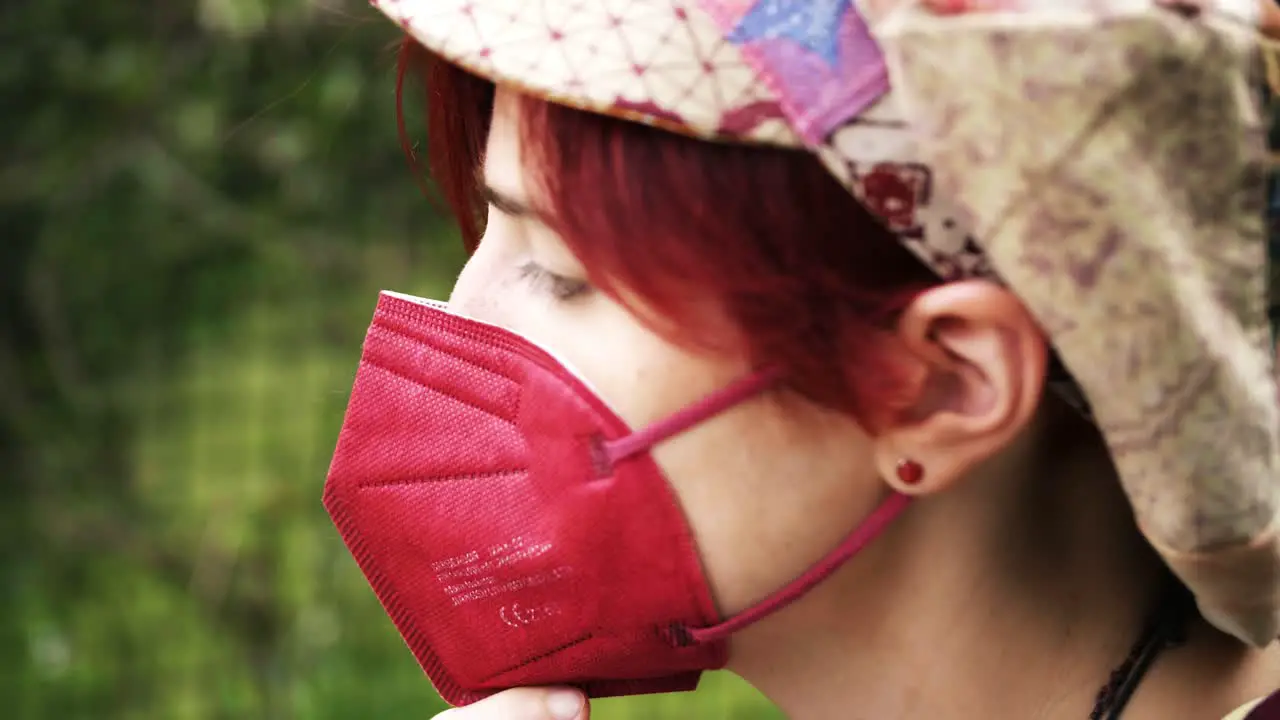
514, 528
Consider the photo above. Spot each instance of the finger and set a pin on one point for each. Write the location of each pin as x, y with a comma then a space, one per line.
524, 704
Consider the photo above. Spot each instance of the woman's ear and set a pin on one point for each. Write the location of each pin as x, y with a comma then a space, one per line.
984, 359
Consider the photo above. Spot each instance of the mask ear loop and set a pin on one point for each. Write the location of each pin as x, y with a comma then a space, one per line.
733, 394
866, 531
616, 451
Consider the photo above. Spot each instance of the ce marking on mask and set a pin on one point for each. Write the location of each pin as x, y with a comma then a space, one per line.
517, 617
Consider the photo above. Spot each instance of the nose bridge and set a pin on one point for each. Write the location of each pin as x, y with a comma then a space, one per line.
475, 291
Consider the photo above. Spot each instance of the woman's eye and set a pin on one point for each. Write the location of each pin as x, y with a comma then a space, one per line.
558, 286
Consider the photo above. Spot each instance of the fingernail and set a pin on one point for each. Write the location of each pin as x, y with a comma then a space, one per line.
565, 704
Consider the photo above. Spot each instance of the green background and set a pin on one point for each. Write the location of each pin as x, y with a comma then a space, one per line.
199, 200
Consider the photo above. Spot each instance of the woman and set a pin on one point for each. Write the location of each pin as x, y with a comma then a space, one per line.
796, 366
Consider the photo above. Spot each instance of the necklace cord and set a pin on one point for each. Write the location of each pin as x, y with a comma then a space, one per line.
1166, 628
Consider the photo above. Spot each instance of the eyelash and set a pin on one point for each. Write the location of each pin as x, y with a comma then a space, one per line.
560, 287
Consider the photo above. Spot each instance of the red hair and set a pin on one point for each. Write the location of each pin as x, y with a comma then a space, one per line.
808, 278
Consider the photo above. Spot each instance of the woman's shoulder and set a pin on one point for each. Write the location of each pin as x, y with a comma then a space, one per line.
1267, 708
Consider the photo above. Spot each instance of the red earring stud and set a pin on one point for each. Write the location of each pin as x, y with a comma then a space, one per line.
910, 472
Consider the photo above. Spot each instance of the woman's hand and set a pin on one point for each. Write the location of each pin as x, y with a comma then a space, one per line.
525, 704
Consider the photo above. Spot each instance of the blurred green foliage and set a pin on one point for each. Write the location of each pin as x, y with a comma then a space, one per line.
199, 200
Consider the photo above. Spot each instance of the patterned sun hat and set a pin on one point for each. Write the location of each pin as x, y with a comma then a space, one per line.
1133, 229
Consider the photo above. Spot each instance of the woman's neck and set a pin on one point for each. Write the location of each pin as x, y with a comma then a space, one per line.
1015, 595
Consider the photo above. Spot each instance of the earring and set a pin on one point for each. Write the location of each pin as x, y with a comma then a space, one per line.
910, 472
